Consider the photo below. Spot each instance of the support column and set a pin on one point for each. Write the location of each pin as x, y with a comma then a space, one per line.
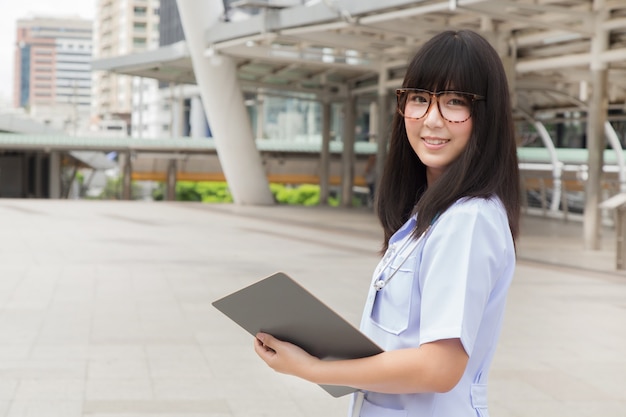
260, 115
173, 119
311, 116
597, 113
613, 139
54, 176
170, 186
139, 134
196, 118
347, 156
382, 137
38, 175
181, 111
126, 178
224, 106
325, 153
373, 125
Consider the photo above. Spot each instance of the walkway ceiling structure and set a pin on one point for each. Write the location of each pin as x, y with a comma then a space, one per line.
327, 48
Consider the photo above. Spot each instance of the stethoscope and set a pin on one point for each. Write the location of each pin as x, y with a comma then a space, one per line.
380, 283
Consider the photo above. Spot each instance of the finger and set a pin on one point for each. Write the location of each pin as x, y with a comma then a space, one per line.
259, 343
267, 340
263, 351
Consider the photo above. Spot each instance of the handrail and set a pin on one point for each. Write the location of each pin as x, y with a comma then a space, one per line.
615, 143
557, 166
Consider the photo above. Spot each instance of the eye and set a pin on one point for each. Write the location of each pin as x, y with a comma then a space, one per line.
455, 100
418, 98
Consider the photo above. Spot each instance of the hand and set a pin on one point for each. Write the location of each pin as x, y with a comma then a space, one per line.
284, 357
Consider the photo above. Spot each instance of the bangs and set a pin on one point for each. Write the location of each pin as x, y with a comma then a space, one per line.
445, 67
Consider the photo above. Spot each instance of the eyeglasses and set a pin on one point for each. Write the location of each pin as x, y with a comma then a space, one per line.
454, 106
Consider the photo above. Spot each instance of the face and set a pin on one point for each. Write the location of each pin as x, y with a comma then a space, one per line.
437, 141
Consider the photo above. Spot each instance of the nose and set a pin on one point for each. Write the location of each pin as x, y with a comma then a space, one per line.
433, 115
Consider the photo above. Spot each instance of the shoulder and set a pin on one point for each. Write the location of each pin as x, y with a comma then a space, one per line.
476, 216
478, 208
474, 229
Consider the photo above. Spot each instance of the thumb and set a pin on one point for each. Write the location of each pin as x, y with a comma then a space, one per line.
267, 340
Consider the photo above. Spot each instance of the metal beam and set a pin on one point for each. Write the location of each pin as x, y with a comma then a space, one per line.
562, 62
288, 55
555, 11
416, 11
536, 21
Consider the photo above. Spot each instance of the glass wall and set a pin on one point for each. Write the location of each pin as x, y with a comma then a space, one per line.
296, 119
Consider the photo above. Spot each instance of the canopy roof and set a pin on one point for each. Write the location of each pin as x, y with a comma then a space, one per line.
325, 48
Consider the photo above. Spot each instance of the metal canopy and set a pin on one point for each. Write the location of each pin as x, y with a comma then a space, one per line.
326, 48
170, 63
546, 44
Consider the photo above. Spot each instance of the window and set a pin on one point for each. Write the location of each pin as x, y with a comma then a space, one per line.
139, 42
139, 26
140, 11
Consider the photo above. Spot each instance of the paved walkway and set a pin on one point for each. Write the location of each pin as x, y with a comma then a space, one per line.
105, 311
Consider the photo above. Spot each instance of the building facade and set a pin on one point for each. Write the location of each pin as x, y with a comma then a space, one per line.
178, 111
123, 27
52, 70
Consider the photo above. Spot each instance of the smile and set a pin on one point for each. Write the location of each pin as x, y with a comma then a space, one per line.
433, 141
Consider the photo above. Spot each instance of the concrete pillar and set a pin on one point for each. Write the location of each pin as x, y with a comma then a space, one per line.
224, 106
126, 178
170, 185
181, 111
373, 125
325, 153
615, 143
139, 132
196, 116
347, 156
383, 134
54, 177
597, 113
310, 122
38, 175
173, 118
260, 115
595, 146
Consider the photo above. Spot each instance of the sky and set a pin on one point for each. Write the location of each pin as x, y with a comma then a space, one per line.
12, 10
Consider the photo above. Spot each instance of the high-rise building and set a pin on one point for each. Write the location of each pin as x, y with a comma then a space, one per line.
52, 77
122, 27
170, 28
177, 109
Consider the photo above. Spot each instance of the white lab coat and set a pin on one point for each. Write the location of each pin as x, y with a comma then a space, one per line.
450, 284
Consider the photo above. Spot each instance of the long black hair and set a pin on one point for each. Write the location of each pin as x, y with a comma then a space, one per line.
462, 61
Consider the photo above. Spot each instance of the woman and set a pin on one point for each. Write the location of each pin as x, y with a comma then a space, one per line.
448, 202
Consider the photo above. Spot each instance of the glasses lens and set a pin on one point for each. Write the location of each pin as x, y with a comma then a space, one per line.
414, 103
453, 106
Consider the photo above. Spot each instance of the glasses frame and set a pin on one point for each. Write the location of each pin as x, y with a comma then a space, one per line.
431, 94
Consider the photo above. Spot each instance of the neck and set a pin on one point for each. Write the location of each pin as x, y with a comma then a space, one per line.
432, 175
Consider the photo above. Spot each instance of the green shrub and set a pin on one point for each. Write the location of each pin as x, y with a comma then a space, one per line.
218, 192
113, 190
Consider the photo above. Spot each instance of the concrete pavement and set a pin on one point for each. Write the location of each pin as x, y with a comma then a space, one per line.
105, 311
